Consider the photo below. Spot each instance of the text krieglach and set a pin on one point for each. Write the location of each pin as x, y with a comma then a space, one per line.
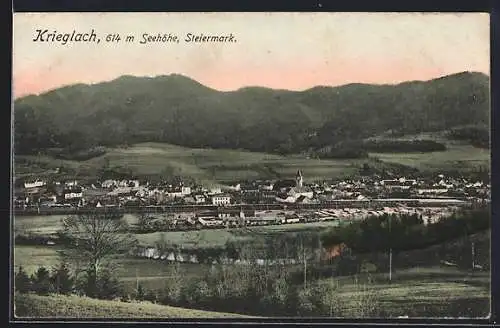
64, 38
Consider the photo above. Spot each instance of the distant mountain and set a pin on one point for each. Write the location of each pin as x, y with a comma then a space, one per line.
179, 110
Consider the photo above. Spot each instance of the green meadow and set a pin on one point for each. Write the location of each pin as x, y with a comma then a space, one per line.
59, 306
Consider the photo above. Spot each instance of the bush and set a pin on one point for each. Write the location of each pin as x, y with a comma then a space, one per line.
478, 136
105, 286
78, 154
22, 282
151, 296
108, 286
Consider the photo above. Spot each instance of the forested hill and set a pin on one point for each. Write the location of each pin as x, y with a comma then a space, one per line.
178, 110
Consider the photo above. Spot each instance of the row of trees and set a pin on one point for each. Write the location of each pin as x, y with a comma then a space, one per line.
357, 148
407, 232
260, 290
61, 280
402, 146
477, 135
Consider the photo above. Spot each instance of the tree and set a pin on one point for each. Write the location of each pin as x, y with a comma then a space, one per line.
41, 281
140, 293
174, 285
22, 282
96, 238
62, 280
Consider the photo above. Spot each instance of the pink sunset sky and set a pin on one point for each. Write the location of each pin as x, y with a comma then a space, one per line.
292, 51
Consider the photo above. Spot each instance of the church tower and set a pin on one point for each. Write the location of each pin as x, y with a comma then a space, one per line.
299, 179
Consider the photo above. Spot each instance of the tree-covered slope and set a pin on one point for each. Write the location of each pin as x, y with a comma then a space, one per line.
179, 110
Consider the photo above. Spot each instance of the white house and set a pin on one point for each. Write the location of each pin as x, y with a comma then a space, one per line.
215, 191
108, 184
432, 191
199, 199
34, 184
401, 184
75, 193
236, 187
221, 199
301, 191
178, 191
267, 186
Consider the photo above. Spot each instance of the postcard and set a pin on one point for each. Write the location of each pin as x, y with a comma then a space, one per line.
251, 165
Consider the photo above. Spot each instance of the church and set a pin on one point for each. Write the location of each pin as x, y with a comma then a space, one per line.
299, 192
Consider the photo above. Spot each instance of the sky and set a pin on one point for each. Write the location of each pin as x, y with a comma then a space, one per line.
294, 51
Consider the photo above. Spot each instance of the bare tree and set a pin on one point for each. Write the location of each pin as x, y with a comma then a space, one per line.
95, 239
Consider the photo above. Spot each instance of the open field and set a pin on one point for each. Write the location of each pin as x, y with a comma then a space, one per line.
49, 224
459, 154
215, 166
59, 306
460, 157
150, 273
416, 292
37, 224
194, 238
206, 165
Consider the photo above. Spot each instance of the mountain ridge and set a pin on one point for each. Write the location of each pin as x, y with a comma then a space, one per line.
179, 110
128, 76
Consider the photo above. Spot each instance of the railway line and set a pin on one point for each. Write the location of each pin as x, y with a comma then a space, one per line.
336, 204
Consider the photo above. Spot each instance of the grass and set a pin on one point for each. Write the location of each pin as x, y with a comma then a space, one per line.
58, 306
33, 257
37, 224
190, 239
49, 224
195, 238
417, 292
210, 166
151, 274
219, 166
459, 154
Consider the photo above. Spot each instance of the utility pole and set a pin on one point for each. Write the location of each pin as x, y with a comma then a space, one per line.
305, 267
390, 249
137, 279
305, 262
390, 264
473, 255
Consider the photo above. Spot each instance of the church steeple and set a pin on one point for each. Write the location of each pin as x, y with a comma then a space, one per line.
299, 179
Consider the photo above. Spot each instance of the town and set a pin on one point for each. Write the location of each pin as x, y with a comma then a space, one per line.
259, 202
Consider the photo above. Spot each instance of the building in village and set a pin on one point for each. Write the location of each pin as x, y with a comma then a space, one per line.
200, 199
34, 184
221, 199
299, 192
71, 193
401, 184
177, 191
